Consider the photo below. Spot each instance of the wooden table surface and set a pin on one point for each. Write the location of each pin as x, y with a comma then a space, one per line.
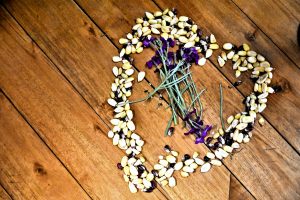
55, 76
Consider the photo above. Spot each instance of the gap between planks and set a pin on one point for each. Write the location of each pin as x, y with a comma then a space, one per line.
3, 190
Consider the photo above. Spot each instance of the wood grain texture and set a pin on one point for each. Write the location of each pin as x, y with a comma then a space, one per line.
229, 24
28, 169
92, 64
250, 162
62, 118
237, 192
3, 194
73, 44
279, 20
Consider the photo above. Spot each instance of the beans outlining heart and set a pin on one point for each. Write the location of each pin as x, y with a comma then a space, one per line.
223, 142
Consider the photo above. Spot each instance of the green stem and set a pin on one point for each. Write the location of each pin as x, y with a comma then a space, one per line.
221, 107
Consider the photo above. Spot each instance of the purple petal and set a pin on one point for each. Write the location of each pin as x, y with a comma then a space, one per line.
192, 130
171, 42
149, 64
199, 140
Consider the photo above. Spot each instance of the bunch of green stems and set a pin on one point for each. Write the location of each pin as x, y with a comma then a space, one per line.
177, 82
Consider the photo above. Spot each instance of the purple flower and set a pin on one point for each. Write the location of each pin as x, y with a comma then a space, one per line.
171, 55
149, 64
156, 60
190, 55
171, 42
199, 140
171, 66
188, 116
192, 130
147, 42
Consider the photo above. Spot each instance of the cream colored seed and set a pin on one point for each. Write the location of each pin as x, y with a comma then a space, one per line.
162, 172
242, 53
183, 39
139, 50
158, 167
149, 15
132, 188
251, 53
246, 47
213, 39
221, 131
221, 61
216, 135
216, 162
141, 76
178, 166
251, 59
189, 44
183, 18
171, 159
150, 177
181, 32
202, 61
208, 53
230, 55
123, 41
169, 172
195, 154
223, 56
194, 28
189, 161
116, 59
174, 153
260, 58
205, 168
214, 46
157, 14
228, 149
155, 31
194, 165
230, 119
235, 58
164, 163
261, 121
172, 182
210, 155
237, 73
188, 169
184, 174
235, 145
199, 161
227, 46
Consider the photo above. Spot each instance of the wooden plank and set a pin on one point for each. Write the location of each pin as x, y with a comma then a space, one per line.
237, 192
229, 24
3, 194
28, 169
90, 63
62, 118
279, 20
258, 170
